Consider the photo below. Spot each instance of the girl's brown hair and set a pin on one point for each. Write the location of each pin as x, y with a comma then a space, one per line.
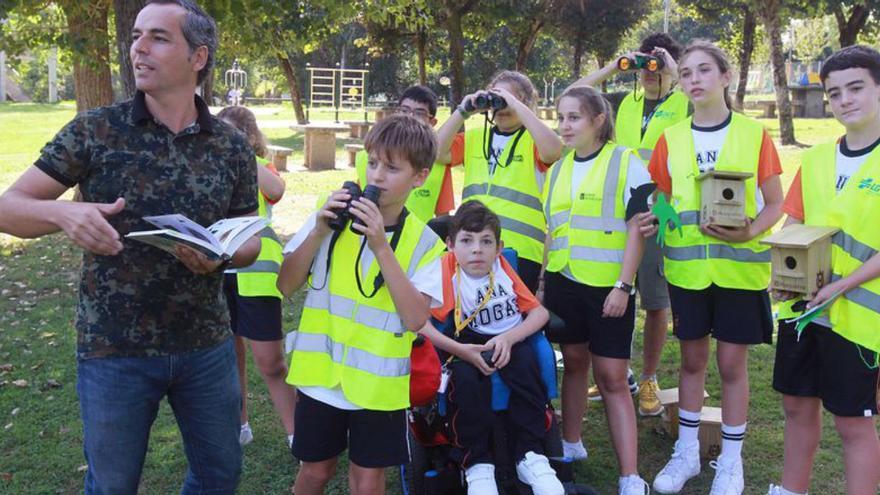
717, 54
243, 120
522, 86
593, 104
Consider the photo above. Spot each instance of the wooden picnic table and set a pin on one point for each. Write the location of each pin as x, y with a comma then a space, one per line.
359, 128
320, 144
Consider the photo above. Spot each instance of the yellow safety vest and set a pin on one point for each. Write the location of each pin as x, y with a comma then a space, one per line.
818, 177
693, 260
422, 201
512, 192
628, 125
588, 235
260, 279
856, 314
346, 339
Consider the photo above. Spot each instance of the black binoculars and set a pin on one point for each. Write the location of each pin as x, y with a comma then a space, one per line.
485, 100
343, 215
650, 63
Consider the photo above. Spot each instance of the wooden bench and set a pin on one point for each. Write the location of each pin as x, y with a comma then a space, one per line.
278, 156
768, 108
359, 128
319, 145
547, 113
353, 150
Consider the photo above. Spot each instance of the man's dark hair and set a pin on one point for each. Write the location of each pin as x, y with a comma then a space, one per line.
199, 29
421, 94
664, 41
474, 216
852, 57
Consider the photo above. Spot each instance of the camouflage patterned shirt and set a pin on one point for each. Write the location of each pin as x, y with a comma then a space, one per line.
143, 301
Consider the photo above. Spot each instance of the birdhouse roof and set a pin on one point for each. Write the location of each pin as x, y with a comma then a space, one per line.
799, 236
724, 174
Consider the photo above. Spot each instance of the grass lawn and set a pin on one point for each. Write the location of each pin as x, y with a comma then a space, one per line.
41, 436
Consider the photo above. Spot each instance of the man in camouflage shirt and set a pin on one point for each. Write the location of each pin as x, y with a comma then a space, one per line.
149, 325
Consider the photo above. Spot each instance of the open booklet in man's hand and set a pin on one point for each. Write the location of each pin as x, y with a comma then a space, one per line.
219, 241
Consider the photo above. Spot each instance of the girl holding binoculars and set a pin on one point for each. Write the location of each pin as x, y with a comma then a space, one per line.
505, 165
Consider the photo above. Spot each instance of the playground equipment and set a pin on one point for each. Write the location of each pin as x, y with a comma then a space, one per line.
337, 88
236, 80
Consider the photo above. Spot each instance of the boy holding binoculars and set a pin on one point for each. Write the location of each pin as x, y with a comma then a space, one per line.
371, 285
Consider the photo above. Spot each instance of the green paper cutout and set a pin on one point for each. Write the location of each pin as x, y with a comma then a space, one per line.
665, 214
811, 314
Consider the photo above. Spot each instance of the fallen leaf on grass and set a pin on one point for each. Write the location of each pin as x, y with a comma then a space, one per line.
36, 366
15, 411
83, 468
47, 335
6, 367
20, 383
8, 426
6, 476
52, 383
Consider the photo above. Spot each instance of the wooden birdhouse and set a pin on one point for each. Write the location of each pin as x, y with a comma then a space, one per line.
723, 198
801, 258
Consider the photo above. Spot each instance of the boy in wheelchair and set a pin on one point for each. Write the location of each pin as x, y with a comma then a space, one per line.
493, 313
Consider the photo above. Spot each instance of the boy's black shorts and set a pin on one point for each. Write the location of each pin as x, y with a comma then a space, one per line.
374, 439
825, 365
735, 316
580, 306
254, 318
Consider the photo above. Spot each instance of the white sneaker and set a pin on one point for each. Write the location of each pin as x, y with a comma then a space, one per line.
535, 471
575, 451
246, 435
728, 477
774, 490
684, 465
481, 479
632, 485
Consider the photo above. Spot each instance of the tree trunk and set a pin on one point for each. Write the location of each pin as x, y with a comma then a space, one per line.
422, 49
769, 11
527, 43
456, 55
293, 85
850, 27
576, 61
126, 11
87, 28
601, 61
745, 56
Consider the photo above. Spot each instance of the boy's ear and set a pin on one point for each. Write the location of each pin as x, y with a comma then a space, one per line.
421, 177
433, 121
450, 243
500, 245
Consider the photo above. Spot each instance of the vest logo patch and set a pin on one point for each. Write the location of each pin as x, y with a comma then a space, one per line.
422, 193
588, 197
871, 186
517, 158
660, 114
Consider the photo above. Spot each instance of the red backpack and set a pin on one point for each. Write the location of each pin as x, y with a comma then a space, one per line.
424, 378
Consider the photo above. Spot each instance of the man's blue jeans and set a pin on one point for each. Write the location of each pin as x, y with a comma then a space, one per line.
119, 399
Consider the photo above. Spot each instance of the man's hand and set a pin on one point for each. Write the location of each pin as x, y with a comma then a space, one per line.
87, 226
197, 262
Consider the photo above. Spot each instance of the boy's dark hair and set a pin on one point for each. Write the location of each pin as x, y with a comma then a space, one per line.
404, 136
474, 216
664, 41
421, 94
199, 29
852, 57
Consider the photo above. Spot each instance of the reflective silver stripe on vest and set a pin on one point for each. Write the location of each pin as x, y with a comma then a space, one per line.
427, 241
515, 196
559, 243
521, 228
262, 266
559, 218
474, 190
861, 296
690, 217
340, 306
312, 342
645, 154
581, 222
346, 308
853, 247
612, 179
377, 365
684, 253
597, 254
723, 251
380, 319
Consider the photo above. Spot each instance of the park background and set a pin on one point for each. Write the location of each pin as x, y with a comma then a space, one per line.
453, 46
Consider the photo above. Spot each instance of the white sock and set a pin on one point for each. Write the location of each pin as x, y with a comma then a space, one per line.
289, 441
789, 492
579, 445
688, 426
732, 440
245, 425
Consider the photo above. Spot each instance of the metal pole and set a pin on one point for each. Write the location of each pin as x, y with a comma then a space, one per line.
2, 76
665, 16
53, 75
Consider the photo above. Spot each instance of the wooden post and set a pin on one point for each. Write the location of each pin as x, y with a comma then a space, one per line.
2, 76
53, 74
